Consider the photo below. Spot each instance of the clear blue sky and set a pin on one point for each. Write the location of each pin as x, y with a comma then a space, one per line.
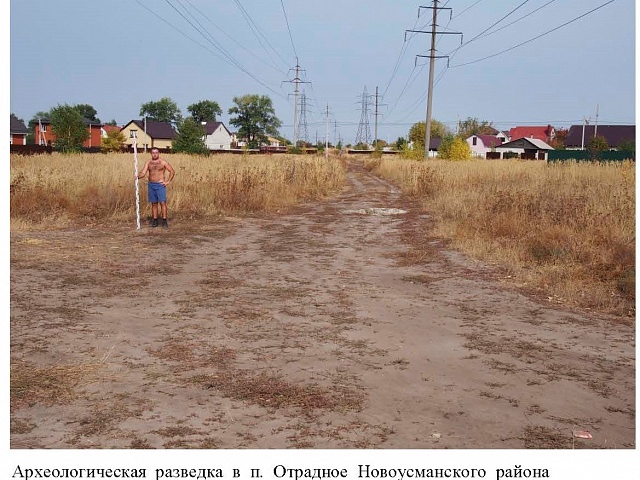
118, 54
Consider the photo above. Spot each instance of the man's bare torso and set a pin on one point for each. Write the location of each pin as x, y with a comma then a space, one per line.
156, 170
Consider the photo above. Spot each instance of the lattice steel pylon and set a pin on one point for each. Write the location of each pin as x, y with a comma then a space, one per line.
303, 127
364, 131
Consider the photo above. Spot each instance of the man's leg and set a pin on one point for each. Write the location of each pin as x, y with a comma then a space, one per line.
163, 208
154, 214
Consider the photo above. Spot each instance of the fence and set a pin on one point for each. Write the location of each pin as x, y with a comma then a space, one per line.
586, 156
30, 149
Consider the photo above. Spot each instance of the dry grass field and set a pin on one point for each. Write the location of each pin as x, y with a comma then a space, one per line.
566, 230
56, 190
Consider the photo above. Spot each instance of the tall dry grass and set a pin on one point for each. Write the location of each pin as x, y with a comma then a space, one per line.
57, 189
567, 230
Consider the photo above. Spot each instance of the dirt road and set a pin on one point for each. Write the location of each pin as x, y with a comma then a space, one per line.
334, 325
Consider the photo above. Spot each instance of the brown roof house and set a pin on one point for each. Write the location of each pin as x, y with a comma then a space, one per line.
525, 148
149, 134
613, 134
18, 133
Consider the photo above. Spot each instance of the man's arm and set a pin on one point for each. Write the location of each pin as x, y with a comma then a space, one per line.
172, 173
143, 173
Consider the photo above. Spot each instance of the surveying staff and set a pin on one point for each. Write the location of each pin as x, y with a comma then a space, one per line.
157, 185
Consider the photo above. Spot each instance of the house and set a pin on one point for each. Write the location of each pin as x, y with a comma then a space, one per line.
524, 148
18, 133
613, 134
45, 136
481, 144
273, 142
107, 129
218, 137
149, 134
503, 135
546, 134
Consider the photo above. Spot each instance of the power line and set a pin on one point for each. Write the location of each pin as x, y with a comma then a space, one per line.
534, 38
253, 24
226, 56
235, 41
521, 18
289, 29
465, 10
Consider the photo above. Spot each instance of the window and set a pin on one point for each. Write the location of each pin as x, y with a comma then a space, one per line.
44, 127
133, 133
475, 140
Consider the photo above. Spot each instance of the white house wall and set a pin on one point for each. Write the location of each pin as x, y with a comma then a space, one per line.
218, 140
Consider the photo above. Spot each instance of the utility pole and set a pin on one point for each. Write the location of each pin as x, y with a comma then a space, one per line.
585, 121
432, 60
432, 57
595, 132
297, 82
326, 140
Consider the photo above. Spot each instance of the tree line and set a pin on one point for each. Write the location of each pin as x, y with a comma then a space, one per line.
254, 116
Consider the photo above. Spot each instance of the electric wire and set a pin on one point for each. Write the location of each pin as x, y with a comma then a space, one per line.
253, 24
271, 65
534, 38
225, 56
288, 28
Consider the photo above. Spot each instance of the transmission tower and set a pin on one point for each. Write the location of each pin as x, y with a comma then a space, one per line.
364, 131
303, 130
297, 81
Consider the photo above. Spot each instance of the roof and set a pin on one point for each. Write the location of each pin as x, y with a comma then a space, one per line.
434, 143
490, 140
17, 126
527, 144
111, 128
541, 133
614, 134
155, 129
93, 123
211, 127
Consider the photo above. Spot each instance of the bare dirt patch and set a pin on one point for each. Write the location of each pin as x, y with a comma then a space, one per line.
316, 328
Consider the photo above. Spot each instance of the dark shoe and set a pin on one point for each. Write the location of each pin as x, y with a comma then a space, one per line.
165, 225
154, 222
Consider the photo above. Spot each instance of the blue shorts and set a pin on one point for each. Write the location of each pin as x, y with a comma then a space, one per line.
157, 192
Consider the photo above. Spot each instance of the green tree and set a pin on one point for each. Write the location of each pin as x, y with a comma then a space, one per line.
87, 111
596, 145
628, 145
69, 128
417, 132
190, 138
113, 142
400, 143
112, 122
473, 126
255, 118
164, 110
454, 148
204, 111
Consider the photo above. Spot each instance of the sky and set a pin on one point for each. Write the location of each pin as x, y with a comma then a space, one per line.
119, 54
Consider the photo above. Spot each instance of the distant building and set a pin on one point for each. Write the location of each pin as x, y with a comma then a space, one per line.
149, 134
482, 144
45, 136
613, 134
525, 148
217, 136
18, 133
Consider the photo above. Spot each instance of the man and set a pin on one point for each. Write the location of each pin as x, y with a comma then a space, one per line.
157, 185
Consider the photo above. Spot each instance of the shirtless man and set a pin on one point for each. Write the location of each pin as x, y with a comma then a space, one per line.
157, 185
